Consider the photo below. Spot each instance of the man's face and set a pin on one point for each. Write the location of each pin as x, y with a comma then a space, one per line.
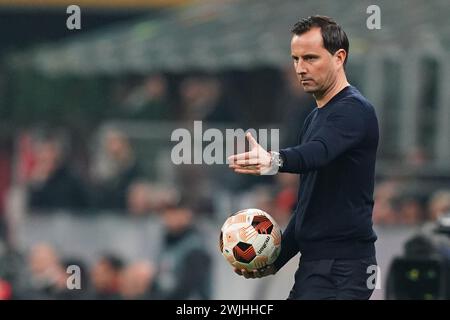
316, 68
103, 275
177, 219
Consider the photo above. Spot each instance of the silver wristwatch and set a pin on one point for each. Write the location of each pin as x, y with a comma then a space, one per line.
276, 162
276, 159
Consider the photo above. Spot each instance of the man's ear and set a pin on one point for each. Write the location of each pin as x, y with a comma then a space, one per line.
340, 56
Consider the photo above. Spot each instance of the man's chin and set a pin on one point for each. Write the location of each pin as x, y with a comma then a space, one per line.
309, 89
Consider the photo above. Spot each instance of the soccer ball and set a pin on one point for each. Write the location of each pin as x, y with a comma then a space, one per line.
250, 239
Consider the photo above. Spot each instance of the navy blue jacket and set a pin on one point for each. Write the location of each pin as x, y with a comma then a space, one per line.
336, 162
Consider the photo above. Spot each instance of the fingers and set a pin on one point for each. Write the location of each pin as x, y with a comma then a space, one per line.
246, 155
240, 156
254, 170
258, 274
263, 272
249, 274
243, 272
242, 170
247, 162
246, 274
247, 167
251, 140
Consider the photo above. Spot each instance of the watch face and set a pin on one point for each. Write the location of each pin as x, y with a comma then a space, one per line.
276, 159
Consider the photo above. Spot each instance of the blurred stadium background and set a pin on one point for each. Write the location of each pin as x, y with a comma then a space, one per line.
86, 118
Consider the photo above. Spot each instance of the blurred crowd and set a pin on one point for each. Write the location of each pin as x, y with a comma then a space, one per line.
397, 204
115, 183
44, 270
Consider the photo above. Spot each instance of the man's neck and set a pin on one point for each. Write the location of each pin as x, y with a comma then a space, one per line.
340, 83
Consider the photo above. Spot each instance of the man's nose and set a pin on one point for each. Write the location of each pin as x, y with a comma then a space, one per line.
299, 68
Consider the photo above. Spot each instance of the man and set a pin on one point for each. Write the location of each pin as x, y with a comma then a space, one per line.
105, 275
184, 263
52, 185
332, 223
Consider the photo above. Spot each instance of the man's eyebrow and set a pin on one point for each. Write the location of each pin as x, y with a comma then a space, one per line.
314, 55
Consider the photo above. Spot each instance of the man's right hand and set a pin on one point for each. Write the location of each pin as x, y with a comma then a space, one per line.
258, 273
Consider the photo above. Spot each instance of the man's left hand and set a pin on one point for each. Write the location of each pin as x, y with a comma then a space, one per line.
257, 161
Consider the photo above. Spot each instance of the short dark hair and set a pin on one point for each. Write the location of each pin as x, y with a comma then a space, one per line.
334, 37
114, 261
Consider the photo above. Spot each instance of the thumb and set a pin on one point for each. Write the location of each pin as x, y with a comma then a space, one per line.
251, 140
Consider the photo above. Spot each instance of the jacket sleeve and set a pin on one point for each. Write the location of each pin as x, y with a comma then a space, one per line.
289, 246
343, 129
